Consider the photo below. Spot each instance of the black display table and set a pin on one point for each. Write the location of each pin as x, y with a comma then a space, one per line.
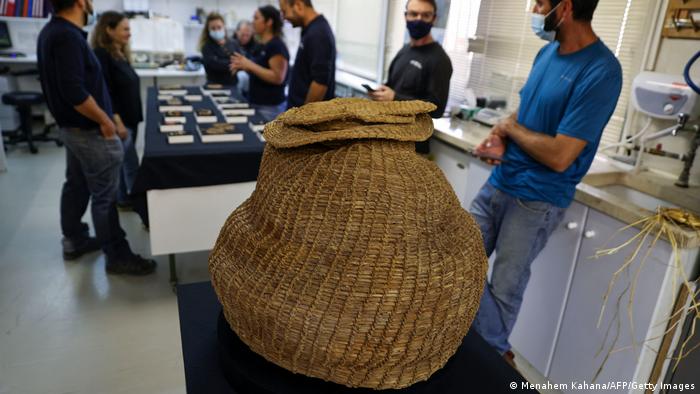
213, 354
171, 166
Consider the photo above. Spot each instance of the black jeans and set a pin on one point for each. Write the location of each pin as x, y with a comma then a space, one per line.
92, 172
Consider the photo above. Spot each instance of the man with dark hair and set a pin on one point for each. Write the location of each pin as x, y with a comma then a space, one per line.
77, 96
60, 5
582, 9
313, 74
547, 146
421, 70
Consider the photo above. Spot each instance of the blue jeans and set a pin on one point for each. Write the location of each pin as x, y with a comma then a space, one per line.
517, 231
92, 173
243, 82
270, 112
130, 167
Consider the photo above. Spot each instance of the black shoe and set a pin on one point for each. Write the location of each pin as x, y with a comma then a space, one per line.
126, 205
134, 265
75, 249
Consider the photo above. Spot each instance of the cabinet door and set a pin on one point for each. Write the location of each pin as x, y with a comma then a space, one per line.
453, 164
575, 356
478, 173
543, 302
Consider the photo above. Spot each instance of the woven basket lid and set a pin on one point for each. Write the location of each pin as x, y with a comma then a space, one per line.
353, 260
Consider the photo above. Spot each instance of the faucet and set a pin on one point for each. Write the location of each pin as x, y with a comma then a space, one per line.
673, 130
689, 158
680, 124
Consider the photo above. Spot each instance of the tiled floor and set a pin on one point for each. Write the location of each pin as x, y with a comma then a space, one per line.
67, 327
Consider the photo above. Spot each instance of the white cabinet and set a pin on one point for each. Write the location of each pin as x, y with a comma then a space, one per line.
537, 326
556, 327
453, 164
478, 172
9, 119
576, 355
465, 173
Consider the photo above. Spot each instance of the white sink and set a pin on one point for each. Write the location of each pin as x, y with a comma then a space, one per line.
636, 197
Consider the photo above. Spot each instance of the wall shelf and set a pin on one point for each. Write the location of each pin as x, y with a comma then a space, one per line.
23, 19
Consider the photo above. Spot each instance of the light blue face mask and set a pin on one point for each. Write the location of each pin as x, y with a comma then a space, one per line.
90, 17
217, 35
538, 23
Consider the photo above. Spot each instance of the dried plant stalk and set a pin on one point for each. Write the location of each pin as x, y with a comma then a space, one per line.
662, 223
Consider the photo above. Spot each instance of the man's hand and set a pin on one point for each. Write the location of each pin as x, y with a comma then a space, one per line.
491, 148
557, 152
383, 93
108, 128
122, 131
504, 126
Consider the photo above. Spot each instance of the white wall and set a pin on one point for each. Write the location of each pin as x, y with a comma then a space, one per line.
395, 31
24, 33
356, 36
182, 11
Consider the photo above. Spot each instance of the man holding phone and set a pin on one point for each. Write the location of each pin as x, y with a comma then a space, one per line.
421, 70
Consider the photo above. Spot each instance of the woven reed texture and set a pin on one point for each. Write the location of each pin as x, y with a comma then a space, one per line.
280, 135
356, 108
352, 262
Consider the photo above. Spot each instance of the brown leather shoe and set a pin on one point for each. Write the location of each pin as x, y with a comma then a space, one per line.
509, 356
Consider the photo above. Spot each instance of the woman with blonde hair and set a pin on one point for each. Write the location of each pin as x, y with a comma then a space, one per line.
217, 50
110, 42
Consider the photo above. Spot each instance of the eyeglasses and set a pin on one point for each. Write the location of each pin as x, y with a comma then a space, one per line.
412, 15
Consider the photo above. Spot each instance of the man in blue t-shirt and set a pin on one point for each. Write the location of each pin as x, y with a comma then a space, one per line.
313, 74
546, 148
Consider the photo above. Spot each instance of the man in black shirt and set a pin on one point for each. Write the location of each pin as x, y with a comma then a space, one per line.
76, 94
313, 74
421, 70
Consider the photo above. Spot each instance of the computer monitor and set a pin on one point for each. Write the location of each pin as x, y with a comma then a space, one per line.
5, 40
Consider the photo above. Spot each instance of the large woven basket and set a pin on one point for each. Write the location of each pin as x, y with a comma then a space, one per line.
353, 260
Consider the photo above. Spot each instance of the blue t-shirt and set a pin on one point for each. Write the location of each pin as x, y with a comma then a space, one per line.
261, 92
314, 62
574, 95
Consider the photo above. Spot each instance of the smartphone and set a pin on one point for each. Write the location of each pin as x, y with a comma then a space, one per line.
369, 88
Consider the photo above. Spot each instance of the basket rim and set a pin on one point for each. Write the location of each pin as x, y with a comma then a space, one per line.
280, 135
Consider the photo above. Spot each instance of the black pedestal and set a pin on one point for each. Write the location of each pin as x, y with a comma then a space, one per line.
214, 355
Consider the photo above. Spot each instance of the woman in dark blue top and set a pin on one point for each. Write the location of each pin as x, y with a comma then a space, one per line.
268, 68
110, 41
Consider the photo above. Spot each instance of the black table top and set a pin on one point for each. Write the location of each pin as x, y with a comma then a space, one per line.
156, 143
169, 166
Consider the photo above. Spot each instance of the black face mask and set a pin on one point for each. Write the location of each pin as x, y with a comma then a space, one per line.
418, 29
